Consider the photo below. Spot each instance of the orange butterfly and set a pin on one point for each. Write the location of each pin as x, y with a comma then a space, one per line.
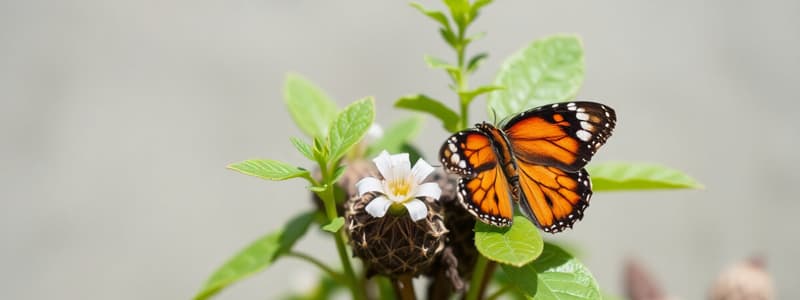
536, 160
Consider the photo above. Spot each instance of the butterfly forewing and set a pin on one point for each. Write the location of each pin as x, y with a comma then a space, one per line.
564, 135
483, 189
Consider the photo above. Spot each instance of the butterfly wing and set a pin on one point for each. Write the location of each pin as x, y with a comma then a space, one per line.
551, 145
483, 189
564, 135
553, 198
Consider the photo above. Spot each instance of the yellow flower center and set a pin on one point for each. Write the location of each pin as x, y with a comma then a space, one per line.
400, 187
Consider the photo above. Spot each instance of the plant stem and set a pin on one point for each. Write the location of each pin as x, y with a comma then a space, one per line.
461, 80
333, 274
477, 278
489, 270
464, 114
461, 46
329, 200
404, 287
358, 294
500, 292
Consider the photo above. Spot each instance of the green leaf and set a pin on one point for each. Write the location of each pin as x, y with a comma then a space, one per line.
350, 126
318, 189
459, 10
426, 104
311, 109
605, 295
449, 37
436, 15
476, 61
554, 275
516, 246
268, 169
438, 63
474, 37
395, 136
468, 96
548, 70
337, 174
257, 256
334, 225
474, 11
457, 5
619, 176
303, 148
320, 150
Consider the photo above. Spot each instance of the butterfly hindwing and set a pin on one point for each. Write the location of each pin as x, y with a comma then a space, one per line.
483, 189
564, 135
487, 196
553, 198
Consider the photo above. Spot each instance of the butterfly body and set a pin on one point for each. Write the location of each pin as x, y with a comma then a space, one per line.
536, 159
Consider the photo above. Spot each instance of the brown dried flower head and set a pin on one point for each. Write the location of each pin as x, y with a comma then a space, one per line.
395, 223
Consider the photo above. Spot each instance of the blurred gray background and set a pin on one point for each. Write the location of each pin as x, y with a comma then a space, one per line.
118, 118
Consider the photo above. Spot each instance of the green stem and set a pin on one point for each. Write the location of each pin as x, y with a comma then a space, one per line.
327, 269
461, 81
464, 114
500, 292
329, 200
489, 270
461, 49
477, 278
358, 294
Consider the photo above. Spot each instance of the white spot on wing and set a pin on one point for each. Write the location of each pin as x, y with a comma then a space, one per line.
582, 116
455, 158
584, 135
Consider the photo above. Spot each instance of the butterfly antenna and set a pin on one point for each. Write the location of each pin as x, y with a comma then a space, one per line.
494, 115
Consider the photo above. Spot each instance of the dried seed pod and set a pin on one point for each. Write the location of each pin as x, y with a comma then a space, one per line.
452, 271
394, 245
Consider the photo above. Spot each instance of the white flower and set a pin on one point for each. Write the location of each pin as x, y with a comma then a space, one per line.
401, 184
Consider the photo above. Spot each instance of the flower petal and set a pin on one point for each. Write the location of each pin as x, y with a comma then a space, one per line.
421, 170
378, 206
416, 209
369, 184
401, 166
428, 189
393, 167
384, 164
